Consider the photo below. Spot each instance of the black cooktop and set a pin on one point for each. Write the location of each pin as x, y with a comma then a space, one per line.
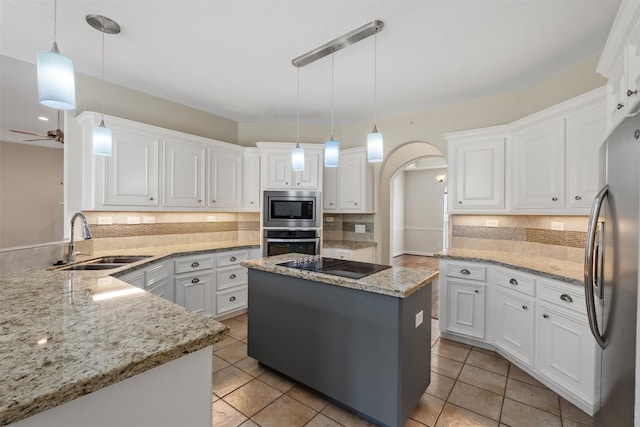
336, 267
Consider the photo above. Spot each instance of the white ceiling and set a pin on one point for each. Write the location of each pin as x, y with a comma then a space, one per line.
233, 58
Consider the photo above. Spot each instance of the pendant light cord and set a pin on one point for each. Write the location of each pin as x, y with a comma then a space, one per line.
55, 19
375, 76
298, 108
102, 86
332, 95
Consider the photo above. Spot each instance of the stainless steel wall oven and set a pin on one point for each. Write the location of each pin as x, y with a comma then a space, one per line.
277, 242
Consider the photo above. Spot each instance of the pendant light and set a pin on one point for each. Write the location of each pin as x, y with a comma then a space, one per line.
101, 135
374, 139
297, 154
56, 79
331, 147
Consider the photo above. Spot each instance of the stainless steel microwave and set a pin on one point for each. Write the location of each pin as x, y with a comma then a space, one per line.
291, 209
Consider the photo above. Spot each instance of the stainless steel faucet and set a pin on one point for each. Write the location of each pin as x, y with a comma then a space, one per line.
85, 233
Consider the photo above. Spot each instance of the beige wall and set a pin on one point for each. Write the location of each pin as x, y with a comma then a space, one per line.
31, 191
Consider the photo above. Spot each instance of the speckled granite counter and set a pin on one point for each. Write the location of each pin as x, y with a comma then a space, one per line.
395, 281
570, 272
65, 334
348, 244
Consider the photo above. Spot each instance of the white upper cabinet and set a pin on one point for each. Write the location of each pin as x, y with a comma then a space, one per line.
184, 174
537, 164
276, 170
349, 188
330, 189
620, 64
476, 180
251, 199
225, 179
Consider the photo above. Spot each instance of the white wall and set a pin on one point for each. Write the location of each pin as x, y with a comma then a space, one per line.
398, 213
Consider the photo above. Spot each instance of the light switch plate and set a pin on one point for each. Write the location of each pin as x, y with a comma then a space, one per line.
328, 219
105, 220
133, 220
360, 228
211, 218
419, 318
556, 225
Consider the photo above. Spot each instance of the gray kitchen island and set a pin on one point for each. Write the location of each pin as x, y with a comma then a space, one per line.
362, 342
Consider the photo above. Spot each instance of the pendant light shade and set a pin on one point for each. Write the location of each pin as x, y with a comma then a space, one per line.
331, 153
374, 146
102, 140
56, 79
297, 159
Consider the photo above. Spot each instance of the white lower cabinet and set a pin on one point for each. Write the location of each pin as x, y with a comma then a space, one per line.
194, 282
537, 323
231, 283
362, 254
153, 278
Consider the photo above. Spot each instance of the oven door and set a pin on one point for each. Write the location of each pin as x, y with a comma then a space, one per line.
286, 246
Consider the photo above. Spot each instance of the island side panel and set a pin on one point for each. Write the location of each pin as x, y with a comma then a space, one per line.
343, 342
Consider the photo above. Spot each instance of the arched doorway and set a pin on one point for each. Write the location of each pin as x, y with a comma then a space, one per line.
395, 161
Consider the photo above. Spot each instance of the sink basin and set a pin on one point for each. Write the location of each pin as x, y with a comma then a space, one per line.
93, 266
119, 259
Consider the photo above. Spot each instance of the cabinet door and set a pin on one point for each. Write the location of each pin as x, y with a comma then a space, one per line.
161, 288
184, 169
279, 171
196, 292
632, 71
350, 177
251, 181
538, 166
308, 178
514, 326
330, 189
586, 131
567, 353
225, 176
131, 172
465, 309
479, 175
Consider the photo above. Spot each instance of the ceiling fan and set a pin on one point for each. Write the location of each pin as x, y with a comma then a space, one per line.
57, 135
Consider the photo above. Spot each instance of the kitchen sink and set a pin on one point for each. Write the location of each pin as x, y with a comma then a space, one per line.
119, 259
93, 266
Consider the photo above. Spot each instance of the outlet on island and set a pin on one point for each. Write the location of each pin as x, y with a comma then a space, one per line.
360, 228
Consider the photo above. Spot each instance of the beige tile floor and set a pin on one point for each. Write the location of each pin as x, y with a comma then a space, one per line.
469, 387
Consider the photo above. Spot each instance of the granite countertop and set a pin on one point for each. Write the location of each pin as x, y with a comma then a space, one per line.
570, 272
64, 334
395, 281
347, 244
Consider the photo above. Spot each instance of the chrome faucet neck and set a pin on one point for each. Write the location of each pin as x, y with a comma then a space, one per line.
86, 233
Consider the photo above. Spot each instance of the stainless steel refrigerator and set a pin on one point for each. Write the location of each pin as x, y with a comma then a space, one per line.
611, 272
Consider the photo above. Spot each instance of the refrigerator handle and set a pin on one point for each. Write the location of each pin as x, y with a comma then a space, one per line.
590, 258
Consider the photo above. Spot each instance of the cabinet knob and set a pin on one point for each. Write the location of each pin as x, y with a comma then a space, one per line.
233, 276
232, 299
476, 291
465, 272
619, 106
514, 282
356, 203
459, 202
232, 259
195, 280
555, 199
545, 315
286, 183
150, 198
297, 183
213, 201
578, 197
330, 204
524, 307
566, 298
195, 264
632, 92
252, 202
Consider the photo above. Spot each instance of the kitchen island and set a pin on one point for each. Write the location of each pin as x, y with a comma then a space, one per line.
364, 343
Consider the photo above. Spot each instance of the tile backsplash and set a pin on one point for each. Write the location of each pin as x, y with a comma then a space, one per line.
343, 227
561, 237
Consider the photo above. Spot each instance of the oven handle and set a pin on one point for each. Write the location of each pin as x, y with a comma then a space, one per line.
291, 240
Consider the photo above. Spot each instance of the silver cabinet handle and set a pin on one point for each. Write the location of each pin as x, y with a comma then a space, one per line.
524, 307
233, 276
232, 259
632, 92
232, 299
459, 202
566, 298
514, 282
465, 272
476, 291
330, 204
545, 315
578, 197
195, 264
251, 202
195, 280
555, 199
619, 106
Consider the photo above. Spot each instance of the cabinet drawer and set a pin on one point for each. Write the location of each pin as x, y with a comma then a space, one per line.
193, 263
157, 272
516, 282
231, 299
231, 258
231, 276
565, 296
467, 271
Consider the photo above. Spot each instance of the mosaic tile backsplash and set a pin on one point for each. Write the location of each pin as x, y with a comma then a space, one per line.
343, 227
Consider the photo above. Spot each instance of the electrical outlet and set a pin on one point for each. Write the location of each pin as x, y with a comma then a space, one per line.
491, 223
328, 219
148, 219
557, 225
133, 220
360, 228
419, 318
105, 220
211, 218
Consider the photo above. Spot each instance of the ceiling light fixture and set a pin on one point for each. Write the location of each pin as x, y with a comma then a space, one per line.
374, 139
331, 147
297, 154
102, 136
56, 79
